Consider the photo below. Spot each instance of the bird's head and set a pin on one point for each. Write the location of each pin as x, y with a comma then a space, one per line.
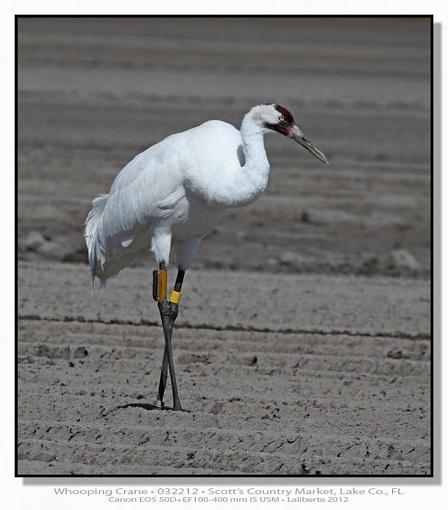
273, 117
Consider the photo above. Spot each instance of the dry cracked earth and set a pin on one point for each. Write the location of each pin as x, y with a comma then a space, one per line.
303, 343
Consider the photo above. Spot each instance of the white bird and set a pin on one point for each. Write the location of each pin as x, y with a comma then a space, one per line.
174, 193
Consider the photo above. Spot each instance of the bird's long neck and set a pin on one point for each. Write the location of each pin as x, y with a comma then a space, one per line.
256, 166
243, 179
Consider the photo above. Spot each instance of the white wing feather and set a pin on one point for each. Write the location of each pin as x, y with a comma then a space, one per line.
146, 191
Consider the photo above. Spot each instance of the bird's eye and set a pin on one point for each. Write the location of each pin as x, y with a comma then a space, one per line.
281, 119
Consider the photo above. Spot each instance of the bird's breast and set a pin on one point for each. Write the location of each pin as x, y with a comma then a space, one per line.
199, 220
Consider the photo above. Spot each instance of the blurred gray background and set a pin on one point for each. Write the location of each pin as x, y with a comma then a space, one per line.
95, 92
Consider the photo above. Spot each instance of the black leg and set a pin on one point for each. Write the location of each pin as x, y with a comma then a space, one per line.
156, 289
168, 313
179, 280
163, 378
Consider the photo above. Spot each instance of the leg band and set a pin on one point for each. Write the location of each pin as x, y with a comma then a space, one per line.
162, 284
155, 285
175, 297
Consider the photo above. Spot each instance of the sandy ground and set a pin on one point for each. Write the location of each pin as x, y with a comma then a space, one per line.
303, 341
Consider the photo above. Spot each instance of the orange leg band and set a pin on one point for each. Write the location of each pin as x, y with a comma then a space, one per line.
162, 282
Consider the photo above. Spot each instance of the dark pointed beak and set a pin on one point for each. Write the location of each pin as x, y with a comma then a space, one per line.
298, 136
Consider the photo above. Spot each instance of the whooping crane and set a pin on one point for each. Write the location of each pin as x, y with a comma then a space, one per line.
175, 192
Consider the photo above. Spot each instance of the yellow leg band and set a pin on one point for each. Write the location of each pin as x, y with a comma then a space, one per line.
175, 297
163, 284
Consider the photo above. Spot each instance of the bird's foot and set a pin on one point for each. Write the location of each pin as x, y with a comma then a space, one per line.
159, 404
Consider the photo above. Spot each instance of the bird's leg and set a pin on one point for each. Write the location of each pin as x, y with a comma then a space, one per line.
178, 284
168, 313
163, 377
159, 292
172, 316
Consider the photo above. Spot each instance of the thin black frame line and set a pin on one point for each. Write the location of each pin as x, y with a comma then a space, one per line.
432, 243
16, 264
223, 476
229, 16
201, 475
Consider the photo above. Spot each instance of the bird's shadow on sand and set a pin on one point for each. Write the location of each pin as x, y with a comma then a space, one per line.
142, 405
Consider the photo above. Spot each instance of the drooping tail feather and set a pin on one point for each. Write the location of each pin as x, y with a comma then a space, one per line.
94, 248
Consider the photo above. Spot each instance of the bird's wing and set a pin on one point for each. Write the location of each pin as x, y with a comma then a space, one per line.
150, 161
145, 192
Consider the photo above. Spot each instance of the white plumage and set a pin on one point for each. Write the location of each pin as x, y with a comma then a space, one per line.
178, 190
